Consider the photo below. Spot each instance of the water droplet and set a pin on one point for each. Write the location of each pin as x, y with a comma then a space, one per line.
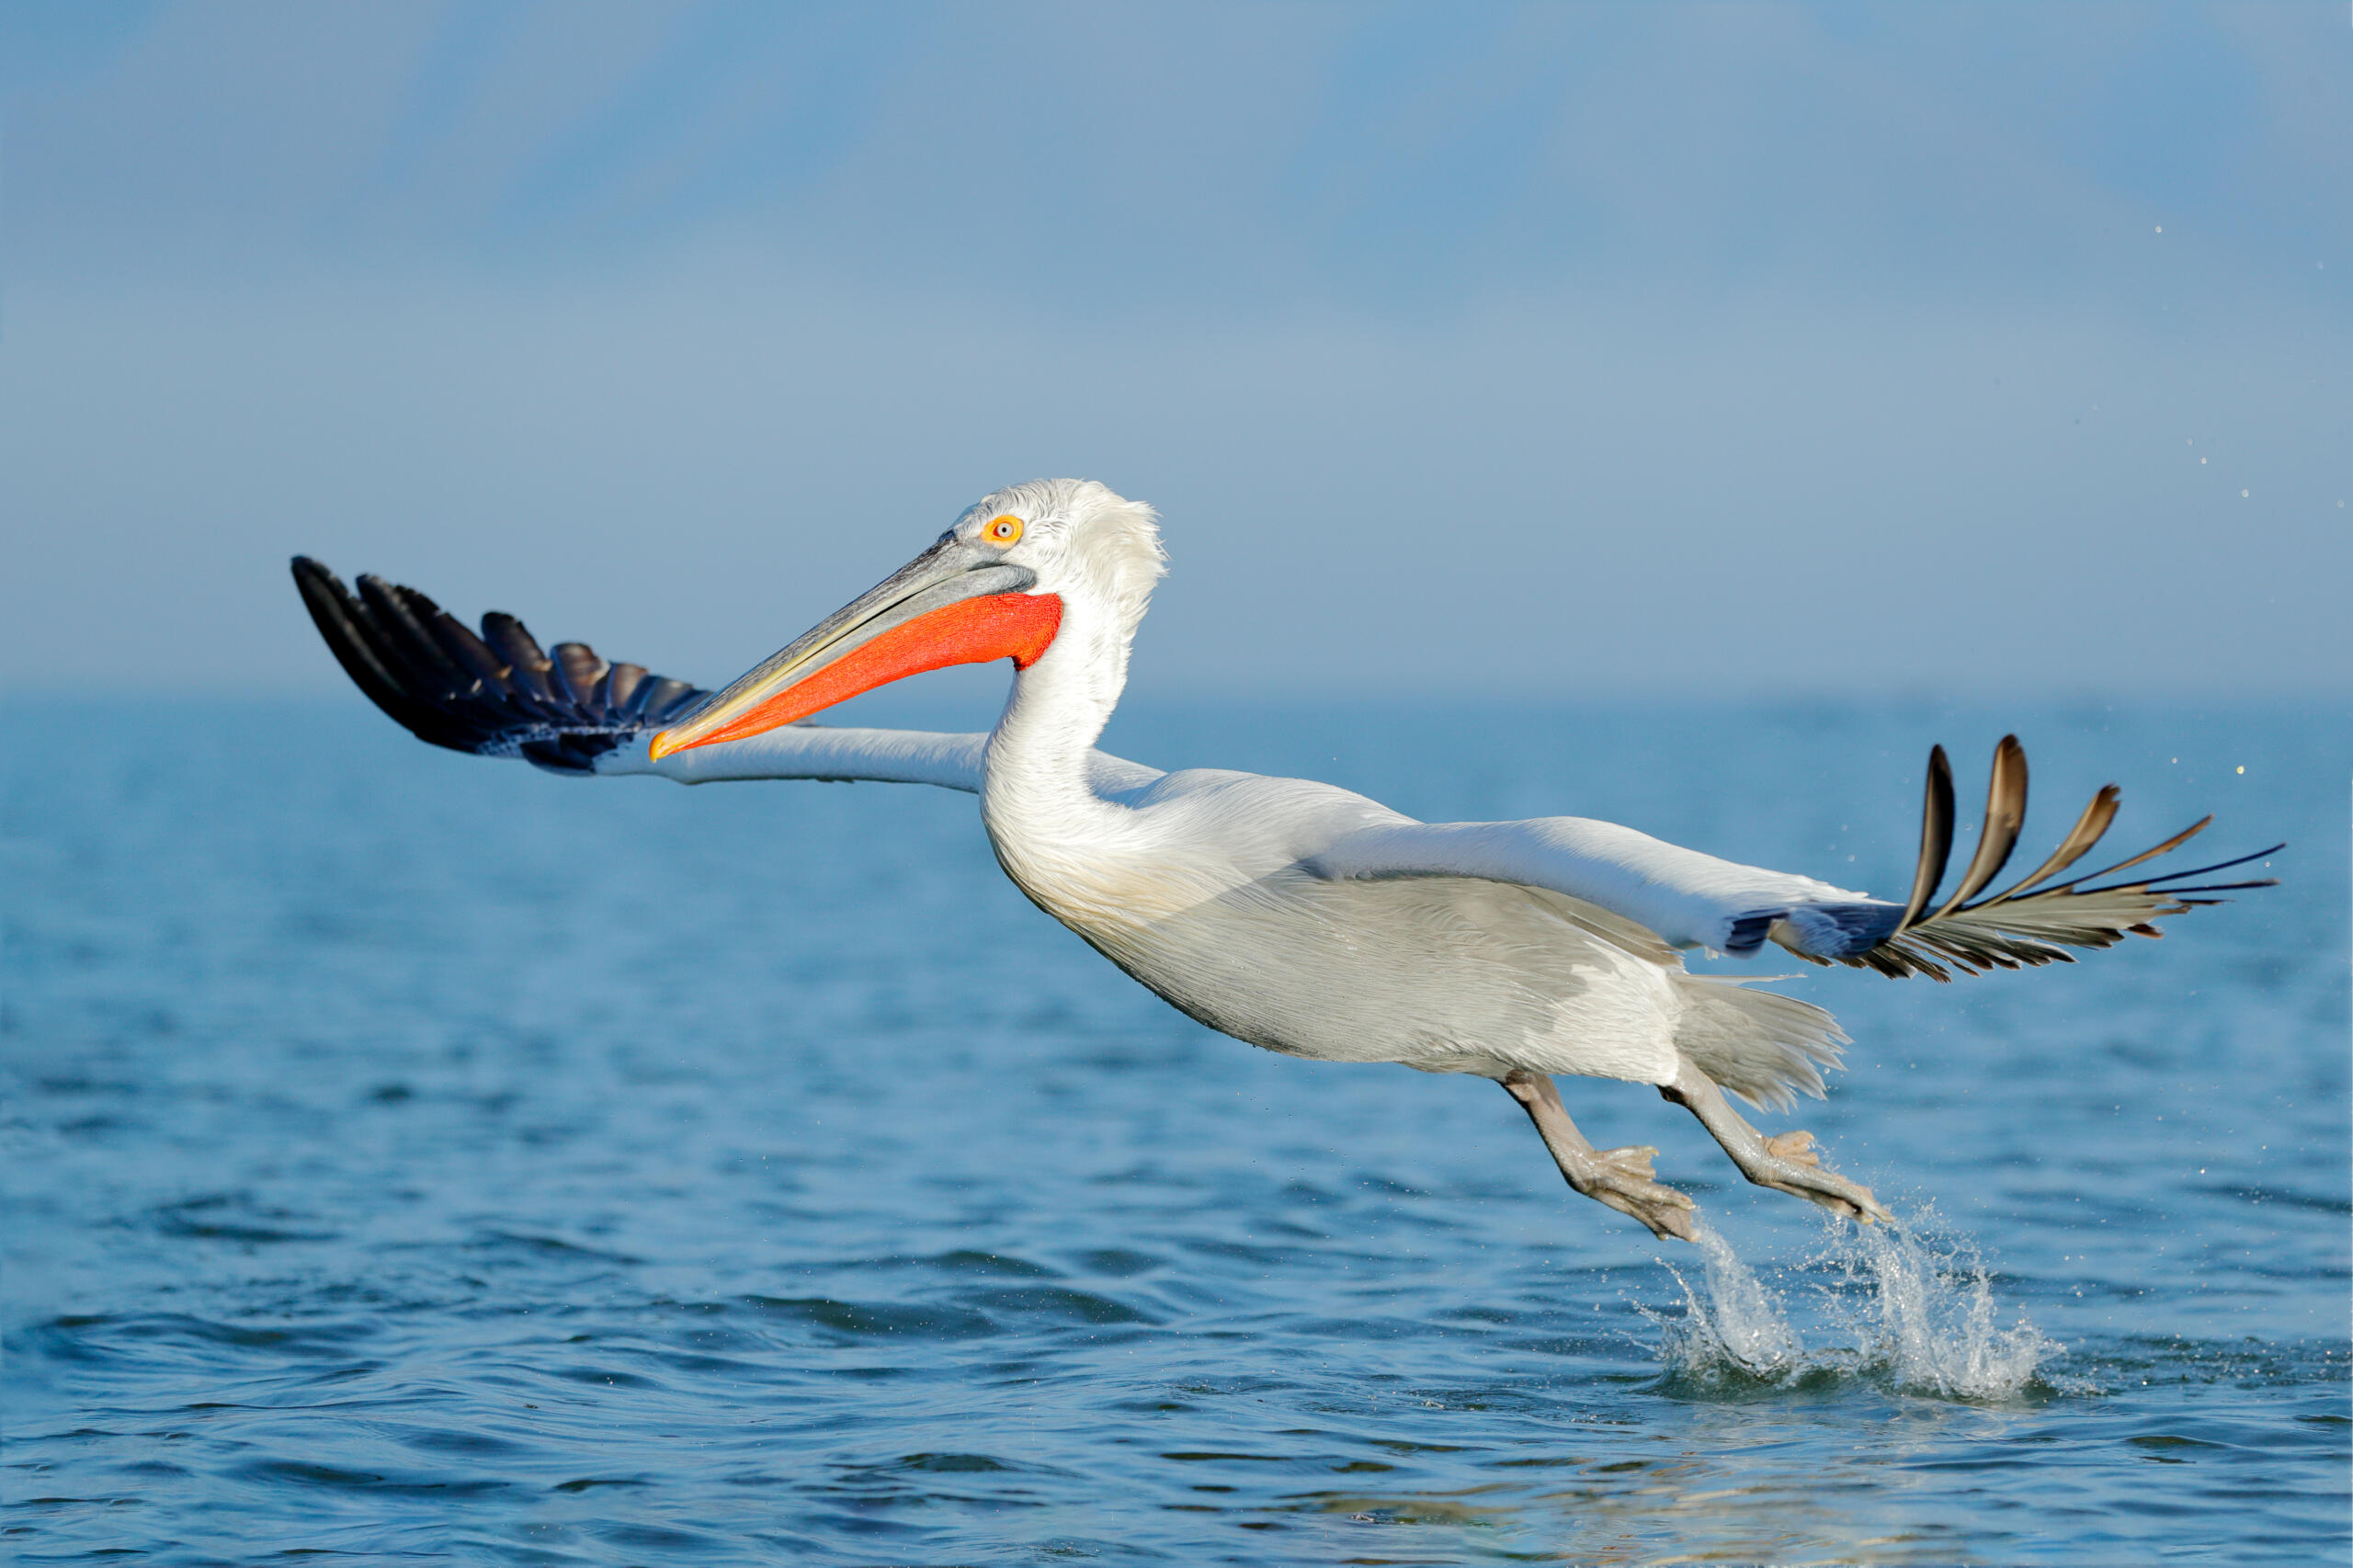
1915, 1307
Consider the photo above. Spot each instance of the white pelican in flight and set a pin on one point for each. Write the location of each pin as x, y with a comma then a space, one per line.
1286, 913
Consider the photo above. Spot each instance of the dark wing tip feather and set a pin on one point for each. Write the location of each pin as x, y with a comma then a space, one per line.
2157, 883
2005, 815
2017, 928
495, 695
1935, 835
352, 637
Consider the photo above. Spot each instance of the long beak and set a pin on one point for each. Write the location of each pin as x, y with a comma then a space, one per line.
952, 605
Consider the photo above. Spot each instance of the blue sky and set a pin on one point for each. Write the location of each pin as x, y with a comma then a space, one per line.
1578, 348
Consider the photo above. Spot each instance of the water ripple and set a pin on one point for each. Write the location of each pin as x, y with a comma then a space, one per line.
390, 1180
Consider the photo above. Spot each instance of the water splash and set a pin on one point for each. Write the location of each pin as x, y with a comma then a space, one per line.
1910, 1307
1738, 1326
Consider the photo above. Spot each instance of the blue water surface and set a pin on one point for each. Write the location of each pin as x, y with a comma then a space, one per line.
410, 1156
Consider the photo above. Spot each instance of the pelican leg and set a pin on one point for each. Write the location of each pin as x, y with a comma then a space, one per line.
1619, 1177
1786, 1163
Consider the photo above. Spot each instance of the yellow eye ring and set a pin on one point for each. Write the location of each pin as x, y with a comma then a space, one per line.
1002, 530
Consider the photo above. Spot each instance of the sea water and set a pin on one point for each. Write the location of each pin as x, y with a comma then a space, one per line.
413, 1156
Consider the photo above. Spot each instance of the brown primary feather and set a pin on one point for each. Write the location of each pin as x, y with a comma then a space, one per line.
2016, 927
2005, 814
2076, 844
2178, 840
1935, 835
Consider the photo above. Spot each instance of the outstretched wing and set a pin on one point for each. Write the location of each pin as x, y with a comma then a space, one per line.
494, 695
2032, 920
1695, 900
499, 695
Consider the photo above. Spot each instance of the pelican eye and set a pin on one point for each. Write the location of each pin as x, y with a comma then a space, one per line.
1006, 529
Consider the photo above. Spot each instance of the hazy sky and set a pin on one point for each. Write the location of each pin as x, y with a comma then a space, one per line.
1582, 349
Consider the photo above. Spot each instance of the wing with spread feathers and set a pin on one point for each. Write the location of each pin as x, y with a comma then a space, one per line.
1695, 900
495, 695
2034, 920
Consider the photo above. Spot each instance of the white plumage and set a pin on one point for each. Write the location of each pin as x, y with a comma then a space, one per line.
1287, 912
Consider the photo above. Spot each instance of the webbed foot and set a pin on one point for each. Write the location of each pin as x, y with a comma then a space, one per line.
1786, 1162
1790, 1164
1619, 1177
1622, 1179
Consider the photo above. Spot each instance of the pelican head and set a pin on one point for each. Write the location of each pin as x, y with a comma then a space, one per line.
1054, 559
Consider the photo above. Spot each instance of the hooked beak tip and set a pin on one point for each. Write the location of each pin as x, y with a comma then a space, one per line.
663, 745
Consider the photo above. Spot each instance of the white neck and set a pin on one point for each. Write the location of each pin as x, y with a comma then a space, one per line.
1036, 802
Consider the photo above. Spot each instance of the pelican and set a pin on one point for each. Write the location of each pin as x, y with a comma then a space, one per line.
1288, 914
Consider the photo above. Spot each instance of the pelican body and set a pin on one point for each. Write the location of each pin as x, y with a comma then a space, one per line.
1286, 913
